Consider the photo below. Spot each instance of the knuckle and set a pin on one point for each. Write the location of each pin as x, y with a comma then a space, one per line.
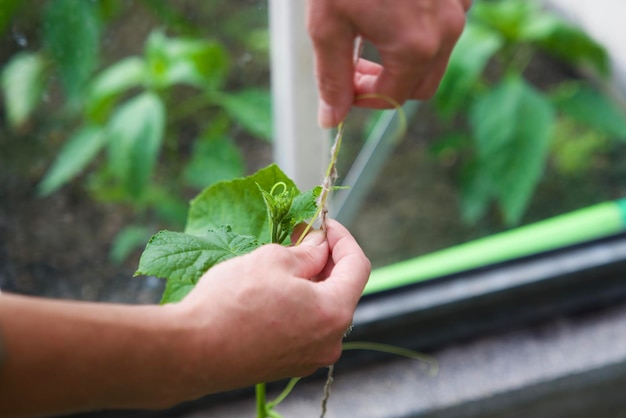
456, 23
273, 252
320, 34
420, 48
467, 4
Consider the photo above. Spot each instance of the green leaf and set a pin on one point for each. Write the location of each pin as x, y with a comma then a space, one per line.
8, 8
304, 207
126, 241
167, 204
77, 152
71, 37
237, 202
508, 17
565, 41
467, 63
252, 109
574, 147
176, 291
512, 127
196, 62
214, 158
589, 107
184, 258
107, 86
22, 83
135, 134
476, 192
525, 22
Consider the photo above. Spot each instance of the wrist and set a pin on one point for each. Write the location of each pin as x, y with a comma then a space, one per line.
191, 352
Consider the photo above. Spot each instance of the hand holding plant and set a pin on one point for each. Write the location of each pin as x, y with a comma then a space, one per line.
298, 301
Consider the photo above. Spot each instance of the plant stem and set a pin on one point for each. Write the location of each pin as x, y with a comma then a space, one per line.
290, 385
261, 403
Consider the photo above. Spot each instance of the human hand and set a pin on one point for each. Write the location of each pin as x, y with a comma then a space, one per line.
274, 313
414, 39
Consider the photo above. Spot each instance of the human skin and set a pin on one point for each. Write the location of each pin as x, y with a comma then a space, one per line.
274, 313
414, 39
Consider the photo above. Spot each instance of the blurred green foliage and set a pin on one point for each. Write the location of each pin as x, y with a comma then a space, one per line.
123, 121
500, 125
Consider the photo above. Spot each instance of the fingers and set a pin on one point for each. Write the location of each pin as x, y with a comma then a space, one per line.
351, 268
414, 39
333, 43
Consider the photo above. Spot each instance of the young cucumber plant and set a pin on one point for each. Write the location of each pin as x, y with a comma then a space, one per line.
228, 219
232, 218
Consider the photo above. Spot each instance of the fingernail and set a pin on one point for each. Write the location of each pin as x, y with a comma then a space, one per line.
314, 238
325, 115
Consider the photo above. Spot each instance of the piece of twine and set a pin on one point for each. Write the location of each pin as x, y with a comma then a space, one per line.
322, 203
330, 177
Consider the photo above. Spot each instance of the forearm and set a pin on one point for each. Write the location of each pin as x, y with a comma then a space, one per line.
69, 356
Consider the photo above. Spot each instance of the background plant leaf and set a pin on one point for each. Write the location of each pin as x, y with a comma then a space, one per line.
107, 86
135, 134
508, 17
251, 108
77, 152
71, 37
7, 11
22, 84
196, 62
214, 158
467, 63
512, 127
127, 240
553, 35
585, 104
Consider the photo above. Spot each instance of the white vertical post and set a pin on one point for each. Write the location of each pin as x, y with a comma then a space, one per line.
300, 146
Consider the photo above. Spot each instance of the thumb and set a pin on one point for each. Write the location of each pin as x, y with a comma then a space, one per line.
311, 256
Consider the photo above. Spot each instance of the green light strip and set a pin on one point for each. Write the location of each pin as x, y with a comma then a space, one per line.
582, 225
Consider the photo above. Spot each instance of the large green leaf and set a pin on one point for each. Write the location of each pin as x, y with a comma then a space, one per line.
238, 203
512, 127
22, 83
467, 63
183, 258
252, 109
71, 37
588, 106
77, 152
135, 135
107, 86
197, 62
